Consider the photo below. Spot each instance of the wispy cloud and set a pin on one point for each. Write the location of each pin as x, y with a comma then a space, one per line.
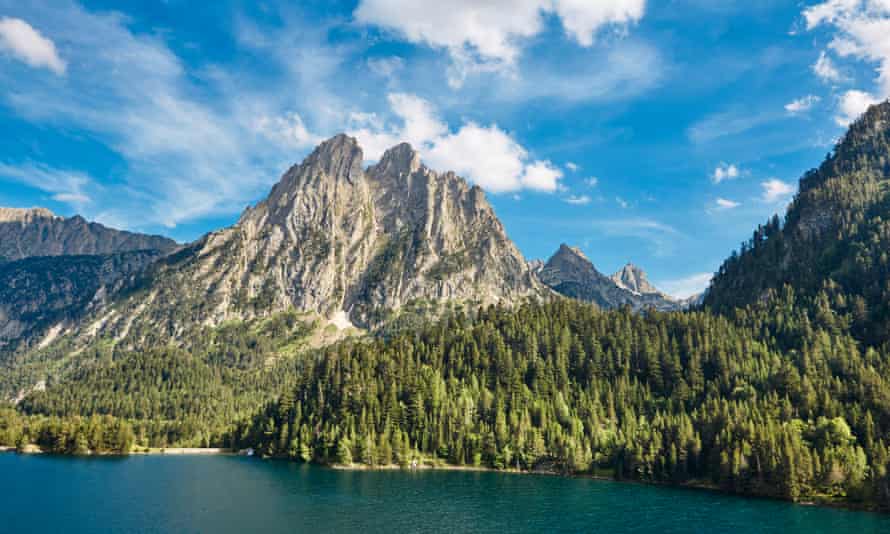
802, 105
578, 200
728, 123
65, 186
662, 238
721, 204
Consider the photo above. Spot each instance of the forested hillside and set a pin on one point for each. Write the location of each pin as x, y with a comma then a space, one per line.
768, 405
833, 248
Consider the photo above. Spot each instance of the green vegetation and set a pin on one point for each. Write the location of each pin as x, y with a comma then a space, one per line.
763, 406
834, 246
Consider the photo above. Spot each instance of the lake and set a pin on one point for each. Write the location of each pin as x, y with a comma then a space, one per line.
238, 494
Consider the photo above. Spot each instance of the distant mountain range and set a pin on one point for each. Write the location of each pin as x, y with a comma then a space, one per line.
570, 273
39, 232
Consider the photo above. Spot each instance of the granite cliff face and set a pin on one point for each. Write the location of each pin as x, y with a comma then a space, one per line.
337, 240
570, 273
38, 232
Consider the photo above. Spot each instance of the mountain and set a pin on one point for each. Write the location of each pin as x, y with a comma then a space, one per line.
38, 232
634, 279
349, 244
41, 295
831, 251
570, 273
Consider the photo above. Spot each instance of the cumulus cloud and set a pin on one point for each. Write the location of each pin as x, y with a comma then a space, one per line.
775, 190
687, 286
802, 105
22, 41
725, 171
853, 103
487, 36
577, 200
487, 155
862, 32
572, 166
621, 202
592, 181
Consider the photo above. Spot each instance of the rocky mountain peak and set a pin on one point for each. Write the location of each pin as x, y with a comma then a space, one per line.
569, 253
399, 160
634, 279
570, 273
338, 157
338, 240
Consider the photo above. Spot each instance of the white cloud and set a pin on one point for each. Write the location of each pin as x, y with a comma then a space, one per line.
621, 202
802, 105
825, 69
862, 32
725, 204
592, 181
775, 190
541, 176
486, 155
724, 171
65, 186
386, 67
488, 36
687, 286
20, 39
572, 166
289, 130
578, 200
853, 103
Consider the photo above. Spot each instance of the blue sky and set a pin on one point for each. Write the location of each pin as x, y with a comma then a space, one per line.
660, 132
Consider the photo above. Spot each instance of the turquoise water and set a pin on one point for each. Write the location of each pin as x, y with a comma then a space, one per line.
235, 494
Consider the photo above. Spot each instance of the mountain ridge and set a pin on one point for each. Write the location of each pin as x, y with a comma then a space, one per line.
26, 232
569, 272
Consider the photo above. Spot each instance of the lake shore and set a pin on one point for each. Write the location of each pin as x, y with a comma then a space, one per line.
185, 451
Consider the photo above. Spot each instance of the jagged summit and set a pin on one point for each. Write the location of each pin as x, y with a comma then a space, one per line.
401, 159
334, 238
570, 250
570, 273
634, 279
